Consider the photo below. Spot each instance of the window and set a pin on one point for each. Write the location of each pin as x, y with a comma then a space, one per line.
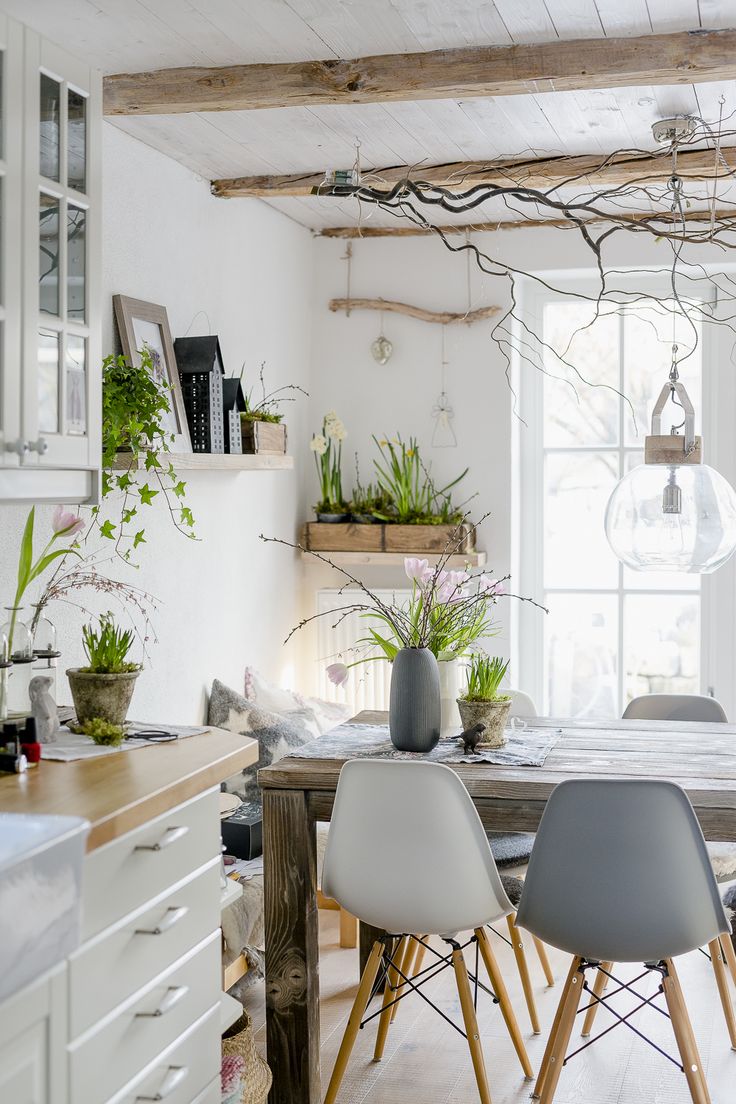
611, 633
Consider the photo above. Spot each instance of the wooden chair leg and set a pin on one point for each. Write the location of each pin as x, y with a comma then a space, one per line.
421, 951
389, 994
730, 955
499, 988
562, 1025
356, 1015
543, 960
517, 945
348, 929
684, 1036
719, 969
406, 966
471, 1024
599, 987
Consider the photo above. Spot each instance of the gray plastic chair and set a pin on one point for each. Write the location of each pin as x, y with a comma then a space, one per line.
675, 707
407, 853
620, 873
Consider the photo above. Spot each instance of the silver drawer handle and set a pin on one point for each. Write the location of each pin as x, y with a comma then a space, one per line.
174, 994
171, 835
175, 1075
172, 916
19, 447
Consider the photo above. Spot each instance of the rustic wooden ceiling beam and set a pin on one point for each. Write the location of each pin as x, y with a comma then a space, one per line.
684, 57
401, 230
542, 173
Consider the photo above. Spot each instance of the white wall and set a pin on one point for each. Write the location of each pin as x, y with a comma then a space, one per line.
226, 600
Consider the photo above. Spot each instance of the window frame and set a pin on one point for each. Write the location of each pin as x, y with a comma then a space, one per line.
717, 591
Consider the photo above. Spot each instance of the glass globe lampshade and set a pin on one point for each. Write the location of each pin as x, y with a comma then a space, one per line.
652, 527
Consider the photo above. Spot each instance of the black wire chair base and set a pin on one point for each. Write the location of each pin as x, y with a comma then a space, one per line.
644, 1002
414, 984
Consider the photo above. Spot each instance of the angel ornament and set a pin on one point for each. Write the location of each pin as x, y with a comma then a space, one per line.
443, 435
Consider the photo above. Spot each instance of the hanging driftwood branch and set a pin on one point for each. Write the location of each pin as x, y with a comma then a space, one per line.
445, 318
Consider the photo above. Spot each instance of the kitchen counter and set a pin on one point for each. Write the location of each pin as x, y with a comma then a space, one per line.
120, 792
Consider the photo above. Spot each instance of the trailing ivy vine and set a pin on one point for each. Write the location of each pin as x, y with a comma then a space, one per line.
134, 405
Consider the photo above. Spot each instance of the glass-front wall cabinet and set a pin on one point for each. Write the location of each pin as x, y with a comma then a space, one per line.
50, 351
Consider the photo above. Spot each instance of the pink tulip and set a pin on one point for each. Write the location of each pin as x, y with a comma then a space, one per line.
65, 523
490, 586
416, 569
337, 673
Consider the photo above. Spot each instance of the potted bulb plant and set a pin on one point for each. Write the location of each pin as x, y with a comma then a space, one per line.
482, 703
103, 690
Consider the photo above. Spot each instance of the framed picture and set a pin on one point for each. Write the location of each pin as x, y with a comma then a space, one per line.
144, 325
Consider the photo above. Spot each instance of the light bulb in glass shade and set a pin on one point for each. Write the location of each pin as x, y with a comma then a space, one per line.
680, 517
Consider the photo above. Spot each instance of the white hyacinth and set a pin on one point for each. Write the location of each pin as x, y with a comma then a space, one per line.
330, 419
318, 444
337, 431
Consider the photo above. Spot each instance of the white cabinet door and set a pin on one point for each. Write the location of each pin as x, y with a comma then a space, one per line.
24, 1067
33, 1036
11, 158
61, 401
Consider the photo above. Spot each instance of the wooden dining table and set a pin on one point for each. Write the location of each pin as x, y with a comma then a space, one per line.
298, 792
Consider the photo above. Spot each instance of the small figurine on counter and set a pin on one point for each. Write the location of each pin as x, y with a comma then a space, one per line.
43, 708
471, 738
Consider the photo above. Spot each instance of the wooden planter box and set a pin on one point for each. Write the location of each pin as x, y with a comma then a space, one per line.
267, 438
349, 537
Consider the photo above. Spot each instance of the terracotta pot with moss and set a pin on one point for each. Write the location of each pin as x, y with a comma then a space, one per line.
482, 703
104, 689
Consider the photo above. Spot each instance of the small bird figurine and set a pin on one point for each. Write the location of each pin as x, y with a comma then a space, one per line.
471, 738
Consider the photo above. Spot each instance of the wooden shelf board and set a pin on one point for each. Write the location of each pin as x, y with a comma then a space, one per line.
230, 1011
233, 971
392, 559
225, 461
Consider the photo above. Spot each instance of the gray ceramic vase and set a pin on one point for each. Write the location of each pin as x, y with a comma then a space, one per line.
104, 696
415, 709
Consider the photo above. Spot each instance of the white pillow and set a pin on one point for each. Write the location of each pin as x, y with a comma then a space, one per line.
267, 695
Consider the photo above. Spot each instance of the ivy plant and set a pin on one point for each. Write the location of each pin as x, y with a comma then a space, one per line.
134, 408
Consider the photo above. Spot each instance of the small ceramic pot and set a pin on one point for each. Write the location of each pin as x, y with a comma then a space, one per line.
493, 714
414, 703
104, 696
332, 519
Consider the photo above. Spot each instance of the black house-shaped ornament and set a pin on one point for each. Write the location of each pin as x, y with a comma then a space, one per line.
201, 373
234, 405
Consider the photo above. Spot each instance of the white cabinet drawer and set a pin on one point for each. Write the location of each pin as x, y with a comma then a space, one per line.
185, 1072
124, 874
123, 959
104, 1061
212, 1094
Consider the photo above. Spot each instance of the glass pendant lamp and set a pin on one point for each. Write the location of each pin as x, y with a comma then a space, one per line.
673, 512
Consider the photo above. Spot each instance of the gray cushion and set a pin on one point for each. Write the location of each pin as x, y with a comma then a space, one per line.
729, 898
276, 733
511, 848
513, 887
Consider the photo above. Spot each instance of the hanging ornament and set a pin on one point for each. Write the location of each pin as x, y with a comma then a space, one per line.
381, 349
673, 512
443, 435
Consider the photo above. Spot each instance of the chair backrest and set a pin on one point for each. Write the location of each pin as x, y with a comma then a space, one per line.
675, 707
620, 872
522, 705
407, 852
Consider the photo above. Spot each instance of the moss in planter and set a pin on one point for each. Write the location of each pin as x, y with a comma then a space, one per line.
100, 731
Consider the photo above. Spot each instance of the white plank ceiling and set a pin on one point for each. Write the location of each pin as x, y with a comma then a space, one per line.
134, 35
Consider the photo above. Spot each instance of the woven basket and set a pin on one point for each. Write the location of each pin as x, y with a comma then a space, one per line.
238, 1040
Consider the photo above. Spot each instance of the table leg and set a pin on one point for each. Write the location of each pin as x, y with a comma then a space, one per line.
292, 964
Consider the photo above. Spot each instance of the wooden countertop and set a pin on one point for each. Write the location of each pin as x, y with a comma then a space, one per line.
117, 793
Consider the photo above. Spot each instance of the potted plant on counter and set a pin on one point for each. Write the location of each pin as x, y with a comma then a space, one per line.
103, 690
327, 449
482, 702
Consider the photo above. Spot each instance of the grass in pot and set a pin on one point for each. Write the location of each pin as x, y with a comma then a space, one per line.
102, 691
482, 703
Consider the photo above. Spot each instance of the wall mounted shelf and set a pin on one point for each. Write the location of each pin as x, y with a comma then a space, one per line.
207, 461
392, 559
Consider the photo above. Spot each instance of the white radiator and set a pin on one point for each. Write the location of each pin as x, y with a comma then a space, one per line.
368, 685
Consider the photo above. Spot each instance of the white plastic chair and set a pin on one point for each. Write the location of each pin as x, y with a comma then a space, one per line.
407, 853
522, 705
675, 707
658, 899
